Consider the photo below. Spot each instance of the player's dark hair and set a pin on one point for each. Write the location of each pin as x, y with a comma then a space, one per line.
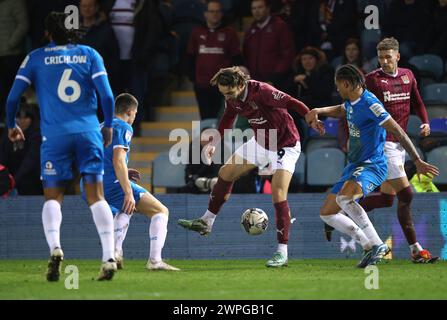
55, 26
388, 44
125, 102
231, 77
352, 74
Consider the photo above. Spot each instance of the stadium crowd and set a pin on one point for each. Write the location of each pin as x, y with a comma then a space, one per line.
296, 45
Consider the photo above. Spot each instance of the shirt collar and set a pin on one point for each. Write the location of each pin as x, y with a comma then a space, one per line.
245, 94
391, 75
262, 25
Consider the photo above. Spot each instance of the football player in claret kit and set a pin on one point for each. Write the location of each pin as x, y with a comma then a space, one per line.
65, 77
368, 122
122, 193
396, 88
265, 107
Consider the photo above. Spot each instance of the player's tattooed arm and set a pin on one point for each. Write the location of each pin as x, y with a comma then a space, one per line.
394, 128
422, 167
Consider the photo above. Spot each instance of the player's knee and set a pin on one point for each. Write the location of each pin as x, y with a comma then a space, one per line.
388, 199
343, 200
164, 210
405, 196
279, 194
225, 172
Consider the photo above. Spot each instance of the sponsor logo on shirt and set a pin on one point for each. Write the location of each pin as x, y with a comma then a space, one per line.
388, 96
384, 81
258, 121
377, 109
202, 36
353, 130
210, 50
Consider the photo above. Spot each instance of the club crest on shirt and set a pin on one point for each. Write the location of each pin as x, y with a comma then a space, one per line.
221, 36
405, 79
128, 135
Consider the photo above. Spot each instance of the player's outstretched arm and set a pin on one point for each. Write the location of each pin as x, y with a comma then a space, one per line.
422, 167
12, 106
121, 172
337, 111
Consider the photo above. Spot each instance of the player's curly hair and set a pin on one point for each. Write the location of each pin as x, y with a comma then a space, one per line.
352, 74
55, 25
231, 77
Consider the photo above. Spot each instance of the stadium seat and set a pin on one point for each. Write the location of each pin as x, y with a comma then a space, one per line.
435, 93
324, 166
331, 126
438, 125
314, 144
414, 126
437, 111
300, 169
438, 157
430, 65
369, 40
167, 174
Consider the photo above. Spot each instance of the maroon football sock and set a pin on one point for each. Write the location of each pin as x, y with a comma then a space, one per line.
374, 201
282, 220
404, 197
219, 195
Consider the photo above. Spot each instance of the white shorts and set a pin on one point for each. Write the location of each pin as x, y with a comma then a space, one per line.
268, 161
395, 155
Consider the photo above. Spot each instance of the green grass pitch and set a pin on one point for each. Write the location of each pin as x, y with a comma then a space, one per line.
228, 280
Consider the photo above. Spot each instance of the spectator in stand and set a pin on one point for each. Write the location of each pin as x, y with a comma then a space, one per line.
437, 33
268, 46
353, 55
314, 78
139, 27
23, 158
211, 47
408, 21
332, 23
13, 28
94, 31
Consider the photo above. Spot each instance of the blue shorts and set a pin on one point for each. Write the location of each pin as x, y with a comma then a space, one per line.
368, 175
114, 194
57, 154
